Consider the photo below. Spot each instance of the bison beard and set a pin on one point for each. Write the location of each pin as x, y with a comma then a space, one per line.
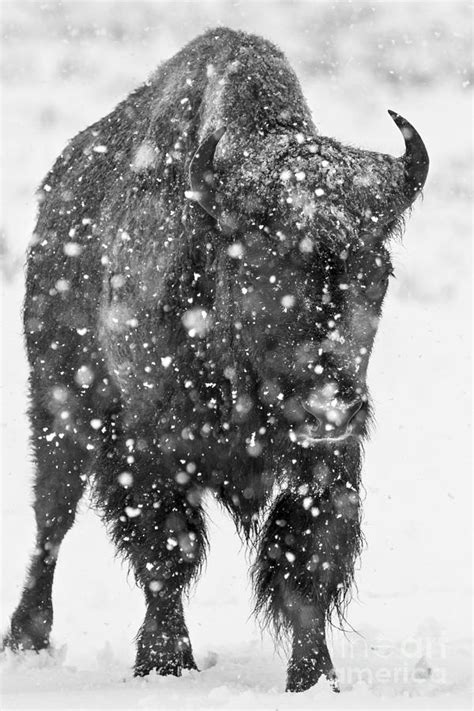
203, 292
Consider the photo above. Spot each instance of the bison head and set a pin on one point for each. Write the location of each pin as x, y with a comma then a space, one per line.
305, 264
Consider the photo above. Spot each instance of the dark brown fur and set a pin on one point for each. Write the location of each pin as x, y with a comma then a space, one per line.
164, 361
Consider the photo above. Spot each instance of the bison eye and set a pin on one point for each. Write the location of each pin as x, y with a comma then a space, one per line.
381, 278
386, 275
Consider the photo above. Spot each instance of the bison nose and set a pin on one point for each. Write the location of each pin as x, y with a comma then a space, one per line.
333, 418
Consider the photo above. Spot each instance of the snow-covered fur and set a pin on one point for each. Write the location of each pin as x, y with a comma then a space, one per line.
171, 354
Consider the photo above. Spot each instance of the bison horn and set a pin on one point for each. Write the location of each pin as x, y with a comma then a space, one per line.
201, 173
415, 159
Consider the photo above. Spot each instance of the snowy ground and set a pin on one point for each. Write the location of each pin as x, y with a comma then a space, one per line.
63, 67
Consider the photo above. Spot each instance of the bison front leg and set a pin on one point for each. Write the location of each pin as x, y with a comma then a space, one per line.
303, 571
163, 643
157, 523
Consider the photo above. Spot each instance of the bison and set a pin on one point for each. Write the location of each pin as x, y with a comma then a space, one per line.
204, 286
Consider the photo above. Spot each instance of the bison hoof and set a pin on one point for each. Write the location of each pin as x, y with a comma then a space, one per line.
303, 676
29, 634
24, 642
166, 666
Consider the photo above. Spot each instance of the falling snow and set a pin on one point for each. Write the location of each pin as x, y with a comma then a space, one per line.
413, 645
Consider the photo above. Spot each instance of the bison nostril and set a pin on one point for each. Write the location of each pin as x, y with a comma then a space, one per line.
334, 419
314, 428
315, 414
347, 414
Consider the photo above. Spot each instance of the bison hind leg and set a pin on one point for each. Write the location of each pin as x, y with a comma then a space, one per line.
58, 488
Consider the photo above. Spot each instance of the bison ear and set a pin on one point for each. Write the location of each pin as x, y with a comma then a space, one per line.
201, 174
415, 160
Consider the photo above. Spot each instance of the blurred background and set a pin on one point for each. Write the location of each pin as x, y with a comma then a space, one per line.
66, 64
